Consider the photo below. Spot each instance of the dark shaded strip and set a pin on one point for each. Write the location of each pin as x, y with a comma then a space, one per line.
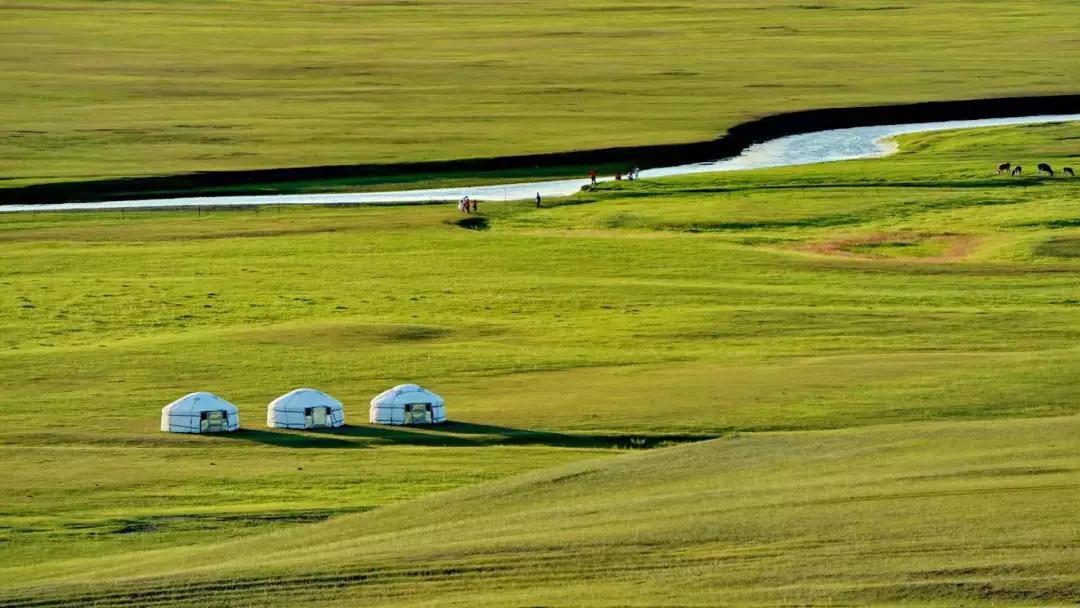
735, 141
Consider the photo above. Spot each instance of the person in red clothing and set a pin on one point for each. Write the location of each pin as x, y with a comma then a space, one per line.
592, 176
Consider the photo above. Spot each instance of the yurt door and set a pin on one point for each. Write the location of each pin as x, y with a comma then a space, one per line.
418, 413
316, 417
213, 422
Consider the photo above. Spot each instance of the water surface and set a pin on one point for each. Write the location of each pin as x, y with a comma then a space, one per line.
804, 149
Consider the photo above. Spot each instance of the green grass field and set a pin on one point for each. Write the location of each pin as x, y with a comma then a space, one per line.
824, 518
92, 89
883, 354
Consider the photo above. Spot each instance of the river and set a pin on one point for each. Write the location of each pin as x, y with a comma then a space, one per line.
803, 149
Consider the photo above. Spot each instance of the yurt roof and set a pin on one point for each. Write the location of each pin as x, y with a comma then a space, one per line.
302, 398
406, 393
198, 402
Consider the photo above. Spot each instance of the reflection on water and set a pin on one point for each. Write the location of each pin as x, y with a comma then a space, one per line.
808, 148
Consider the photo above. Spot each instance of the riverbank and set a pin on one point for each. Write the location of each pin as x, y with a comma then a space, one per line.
740, 137
769, 142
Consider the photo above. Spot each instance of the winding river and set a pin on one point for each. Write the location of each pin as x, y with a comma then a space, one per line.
807, 148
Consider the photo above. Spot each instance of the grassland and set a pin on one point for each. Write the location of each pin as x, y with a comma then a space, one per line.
92, 89
885, 352
942, 514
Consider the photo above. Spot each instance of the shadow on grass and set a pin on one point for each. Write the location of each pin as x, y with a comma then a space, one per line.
472, 434
451, 434
473, 222
292, 439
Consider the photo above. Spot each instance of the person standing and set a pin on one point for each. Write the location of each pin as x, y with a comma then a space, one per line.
538, 201
592, 176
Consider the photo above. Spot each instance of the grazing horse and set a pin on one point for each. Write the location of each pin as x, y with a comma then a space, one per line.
1068, 171
1017, 170
1004, 168
1045, 168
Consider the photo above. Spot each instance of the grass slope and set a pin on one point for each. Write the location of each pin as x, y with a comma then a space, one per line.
111, 89
920, 514
912, 290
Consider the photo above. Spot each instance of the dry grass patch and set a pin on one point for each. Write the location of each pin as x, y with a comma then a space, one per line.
909, 246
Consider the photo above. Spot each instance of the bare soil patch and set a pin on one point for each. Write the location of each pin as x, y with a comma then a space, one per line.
907, 246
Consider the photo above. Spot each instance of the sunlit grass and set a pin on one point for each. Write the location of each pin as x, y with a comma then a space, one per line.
871, 399
148, 87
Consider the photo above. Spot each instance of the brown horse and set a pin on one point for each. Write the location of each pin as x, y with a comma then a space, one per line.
1004, 168
1045, 168
1017, 170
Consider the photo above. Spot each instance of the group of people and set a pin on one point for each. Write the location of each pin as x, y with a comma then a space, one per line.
631, 175
467, 205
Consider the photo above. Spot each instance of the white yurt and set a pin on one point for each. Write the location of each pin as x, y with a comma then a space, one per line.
305, 408
407, 404
200, 413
